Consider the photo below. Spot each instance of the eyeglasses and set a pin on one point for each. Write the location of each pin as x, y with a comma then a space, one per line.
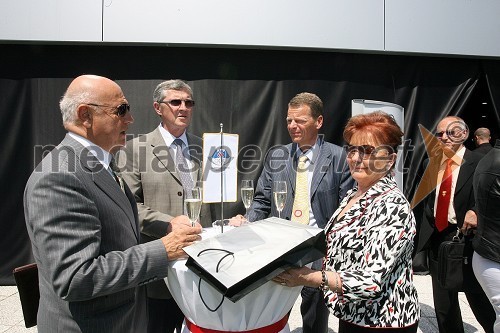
120, 110
450, 133
364, 151
189, 103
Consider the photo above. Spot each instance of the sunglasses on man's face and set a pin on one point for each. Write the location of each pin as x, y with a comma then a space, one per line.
450, 133
189, 103
120, 110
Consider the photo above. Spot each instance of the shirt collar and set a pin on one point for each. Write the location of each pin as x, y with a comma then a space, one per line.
310, 153
103, 156
169, 138
457, 158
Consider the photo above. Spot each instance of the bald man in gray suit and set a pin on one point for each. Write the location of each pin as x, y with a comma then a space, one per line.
83, 225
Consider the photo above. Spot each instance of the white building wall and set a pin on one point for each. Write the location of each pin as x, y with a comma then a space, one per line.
464, 27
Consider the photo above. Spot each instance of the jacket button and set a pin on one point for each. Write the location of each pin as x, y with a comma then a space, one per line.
179, 194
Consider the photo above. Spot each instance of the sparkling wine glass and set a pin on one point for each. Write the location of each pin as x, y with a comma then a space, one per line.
279, 193
193, 205
247, 194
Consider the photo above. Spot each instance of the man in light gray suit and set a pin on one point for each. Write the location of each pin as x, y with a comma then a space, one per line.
151, 167
328, 180
83, 226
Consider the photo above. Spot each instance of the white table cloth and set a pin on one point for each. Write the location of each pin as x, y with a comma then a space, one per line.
262, 307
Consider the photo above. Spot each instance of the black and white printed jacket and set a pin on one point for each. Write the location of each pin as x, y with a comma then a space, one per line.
370, 247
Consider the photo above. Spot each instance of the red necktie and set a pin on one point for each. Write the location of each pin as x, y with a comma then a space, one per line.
444, 196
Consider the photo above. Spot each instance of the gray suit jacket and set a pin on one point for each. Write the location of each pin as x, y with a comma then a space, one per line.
84, 233
147, 166
330, 182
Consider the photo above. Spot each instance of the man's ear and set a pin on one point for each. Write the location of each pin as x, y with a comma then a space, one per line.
84, 115
319, 122
156, 106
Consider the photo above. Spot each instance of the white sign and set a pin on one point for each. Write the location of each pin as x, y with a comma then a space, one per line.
220, 167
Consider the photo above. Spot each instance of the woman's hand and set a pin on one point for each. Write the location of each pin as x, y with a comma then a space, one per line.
303, 276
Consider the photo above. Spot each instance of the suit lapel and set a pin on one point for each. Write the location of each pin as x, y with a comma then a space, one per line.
196, 152
163, 153
323, 161
291, 168
103, 179
466, 171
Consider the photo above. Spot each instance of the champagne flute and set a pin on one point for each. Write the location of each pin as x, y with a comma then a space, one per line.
247, 194
279, 193
193, 205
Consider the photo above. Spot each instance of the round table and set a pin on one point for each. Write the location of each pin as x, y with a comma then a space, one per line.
262, 307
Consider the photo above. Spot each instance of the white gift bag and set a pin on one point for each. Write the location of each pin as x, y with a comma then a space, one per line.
244, 258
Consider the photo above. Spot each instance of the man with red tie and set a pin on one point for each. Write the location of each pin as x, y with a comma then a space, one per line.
450, 206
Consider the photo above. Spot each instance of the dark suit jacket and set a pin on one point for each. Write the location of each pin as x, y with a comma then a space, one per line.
148, 167
463, 197
330, 182
84, 233
487, 192
483, 148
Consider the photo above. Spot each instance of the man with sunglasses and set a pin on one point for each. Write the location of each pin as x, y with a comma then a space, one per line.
83, 225
450, 206
160, 168
327, 180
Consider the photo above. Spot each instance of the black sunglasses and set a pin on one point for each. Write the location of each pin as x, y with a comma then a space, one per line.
450, 133
189, 103
364, 150
120, 110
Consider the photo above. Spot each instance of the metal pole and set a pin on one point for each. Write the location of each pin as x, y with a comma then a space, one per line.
221, 180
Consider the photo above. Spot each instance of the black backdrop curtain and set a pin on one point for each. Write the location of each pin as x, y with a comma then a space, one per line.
246, 90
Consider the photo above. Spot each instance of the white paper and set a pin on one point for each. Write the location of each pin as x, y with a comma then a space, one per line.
219, 163
254, 246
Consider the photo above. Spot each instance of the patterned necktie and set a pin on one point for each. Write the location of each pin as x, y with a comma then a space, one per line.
183, 168
114, 169
444, 196
300, 211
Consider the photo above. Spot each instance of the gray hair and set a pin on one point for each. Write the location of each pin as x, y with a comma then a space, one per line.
176, 84
69, 104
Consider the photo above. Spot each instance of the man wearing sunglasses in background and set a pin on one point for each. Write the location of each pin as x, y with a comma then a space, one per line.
160, 168
450, 206
326, 179
83, 225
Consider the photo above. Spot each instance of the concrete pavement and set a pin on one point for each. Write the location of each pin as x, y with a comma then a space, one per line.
11, 317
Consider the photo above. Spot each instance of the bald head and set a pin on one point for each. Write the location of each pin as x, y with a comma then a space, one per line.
482, 135
87, 89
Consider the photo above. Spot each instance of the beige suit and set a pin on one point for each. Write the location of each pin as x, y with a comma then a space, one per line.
147, 166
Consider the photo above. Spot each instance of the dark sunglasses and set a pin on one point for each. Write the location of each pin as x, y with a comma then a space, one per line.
450, 133
364, 151
120, 110
189, 103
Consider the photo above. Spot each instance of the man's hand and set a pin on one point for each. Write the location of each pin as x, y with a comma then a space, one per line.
470, 222
179, 222
237, 220
182, 235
